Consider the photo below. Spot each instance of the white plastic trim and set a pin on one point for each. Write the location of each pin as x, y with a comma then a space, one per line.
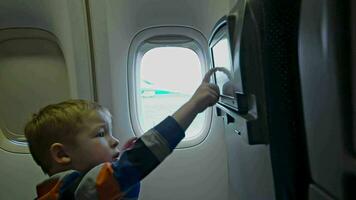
13, 145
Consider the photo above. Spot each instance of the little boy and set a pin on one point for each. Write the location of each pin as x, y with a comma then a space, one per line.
72, 142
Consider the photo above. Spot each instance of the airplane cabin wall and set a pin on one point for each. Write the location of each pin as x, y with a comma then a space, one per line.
199, 172
66, 21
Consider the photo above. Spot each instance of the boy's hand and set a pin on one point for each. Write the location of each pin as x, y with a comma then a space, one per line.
207, 93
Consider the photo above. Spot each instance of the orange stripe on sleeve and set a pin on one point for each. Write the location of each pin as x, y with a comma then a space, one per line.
49, 191
106, 184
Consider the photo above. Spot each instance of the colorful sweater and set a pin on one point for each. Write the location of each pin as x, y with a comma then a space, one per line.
119, 179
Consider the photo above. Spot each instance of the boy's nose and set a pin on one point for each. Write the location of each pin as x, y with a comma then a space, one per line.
114, 142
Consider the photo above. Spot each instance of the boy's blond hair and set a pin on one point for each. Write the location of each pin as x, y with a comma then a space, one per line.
56, 123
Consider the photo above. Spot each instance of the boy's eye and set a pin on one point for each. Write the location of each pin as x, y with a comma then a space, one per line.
100, 134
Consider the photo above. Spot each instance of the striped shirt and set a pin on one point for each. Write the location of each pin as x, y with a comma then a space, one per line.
119, 179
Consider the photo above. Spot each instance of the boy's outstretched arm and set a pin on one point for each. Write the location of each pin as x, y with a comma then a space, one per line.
120, 179
206, 95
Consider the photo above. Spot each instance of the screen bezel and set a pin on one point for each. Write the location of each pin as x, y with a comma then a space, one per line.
221, 30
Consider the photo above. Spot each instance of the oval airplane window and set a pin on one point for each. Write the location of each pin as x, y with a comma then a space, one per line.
33, 74
166, 69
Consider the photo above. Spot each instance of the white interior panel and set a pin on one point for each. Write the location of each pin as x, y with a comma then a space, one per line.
64, 66
199, 172
19, 176
66, 20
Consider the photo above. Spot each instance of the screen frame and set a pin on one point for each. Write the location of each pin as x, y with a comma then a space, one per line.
221, 30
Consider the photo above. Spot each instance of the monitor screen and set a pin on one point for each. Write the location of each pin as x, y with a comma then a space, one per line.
222, 58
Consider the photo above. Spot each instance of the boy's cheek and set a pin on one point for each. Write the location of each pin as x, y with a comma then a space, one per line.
102, 155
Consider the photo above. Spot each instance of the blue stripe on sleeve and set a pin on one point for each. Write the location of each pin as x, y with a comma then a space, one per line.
171, 131
126, 173
68, 181
133, 192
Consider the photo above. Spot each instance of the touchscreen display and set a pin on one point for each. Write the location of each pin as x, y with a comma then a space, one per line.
222, 58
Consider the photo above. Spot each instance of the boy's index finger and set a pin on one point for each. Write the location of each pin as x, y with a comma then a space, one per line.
207, 76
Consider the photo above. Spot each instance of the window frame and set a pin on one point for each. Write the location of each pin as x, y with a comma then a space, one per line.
10, 141
163, 36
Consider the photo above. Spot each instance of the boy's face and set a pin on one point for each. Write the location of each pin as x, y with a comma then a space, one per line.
94, 143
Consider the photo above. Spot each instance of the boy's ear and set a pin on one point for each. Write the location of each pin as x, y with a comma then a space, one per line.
58, 154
